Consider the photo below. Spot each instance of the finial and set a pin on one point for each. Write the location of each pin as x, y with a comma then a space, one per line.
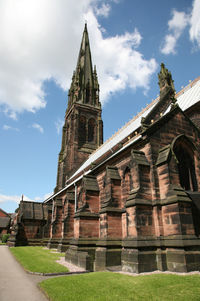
165, 78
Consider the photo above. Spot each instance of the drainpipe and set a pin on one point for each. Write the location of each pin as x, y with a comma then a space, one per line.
75, 209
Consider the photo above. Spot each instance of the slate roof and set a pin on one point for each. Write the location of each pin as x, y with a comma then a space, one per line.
32, 210
4, 222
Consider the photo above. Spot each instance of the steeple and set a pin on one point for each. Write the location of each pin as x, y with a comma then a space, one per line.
84, 87
84, 60
83, 127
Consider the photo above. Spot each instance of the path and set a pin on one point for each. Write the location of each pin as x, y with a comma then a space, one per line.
15, 283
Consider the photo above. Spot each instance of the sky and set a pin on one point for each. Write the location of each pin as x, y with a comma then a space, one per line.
39, 46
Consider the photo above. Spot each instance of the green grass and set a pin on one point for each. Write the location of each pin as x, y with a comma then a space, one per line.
106, 286
38, 259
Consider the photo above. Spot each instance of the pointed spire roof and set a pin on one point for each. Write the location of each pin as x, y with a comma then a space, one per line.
84, 87
84, 64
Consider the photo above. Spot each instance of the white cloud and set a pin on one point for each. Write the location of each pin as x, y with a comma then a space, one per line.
40, 40
12, 198
178, 22
8, 127
169, 44
17, 198
9, 113
103, 10
176, 26
38, 127
195, 23
119, 64
59, 124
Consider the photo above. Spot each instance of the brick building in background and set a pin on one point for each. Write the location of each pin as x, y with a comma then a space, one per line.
133, 201
5, 220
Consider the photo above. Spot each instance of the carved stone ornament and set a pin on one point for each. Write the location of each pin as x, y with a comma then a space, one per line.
165, 78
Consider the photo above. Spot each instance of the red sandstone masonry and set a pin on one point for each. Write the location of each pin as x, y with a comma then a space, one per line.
131, 222
124, 225
177, 219
116, 193
88, 228
103, 225
76, 228
93, 201
69, 221
114, 225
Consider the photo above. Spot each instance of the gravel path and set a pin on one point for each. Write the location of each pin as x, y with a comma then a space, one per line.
159, 272
71, 267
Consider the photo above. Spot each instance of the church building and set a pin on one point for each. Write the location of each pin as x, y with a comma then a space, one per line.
132, 201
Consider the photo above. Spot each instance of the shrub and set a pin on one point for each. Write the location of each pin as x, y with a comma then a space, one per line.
5, 238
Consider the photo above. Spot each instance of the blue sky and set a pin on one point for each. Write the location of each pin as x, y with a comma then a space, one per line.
40, 41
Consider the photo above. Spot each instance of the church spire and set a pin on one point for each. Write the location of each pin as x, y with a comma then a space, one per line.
84, 87
83, 128
84, 60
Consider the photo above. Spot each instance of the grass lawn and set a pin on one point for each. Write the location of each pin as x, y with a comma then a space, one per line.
38, 259
107, 286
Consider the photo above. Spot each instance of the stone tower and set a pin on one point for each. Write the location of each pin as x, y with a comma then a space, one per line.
83, 128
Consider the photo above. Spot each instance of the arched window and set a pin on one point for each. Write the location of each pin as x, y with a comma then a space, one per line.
184, 151
91, 130
82, 130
